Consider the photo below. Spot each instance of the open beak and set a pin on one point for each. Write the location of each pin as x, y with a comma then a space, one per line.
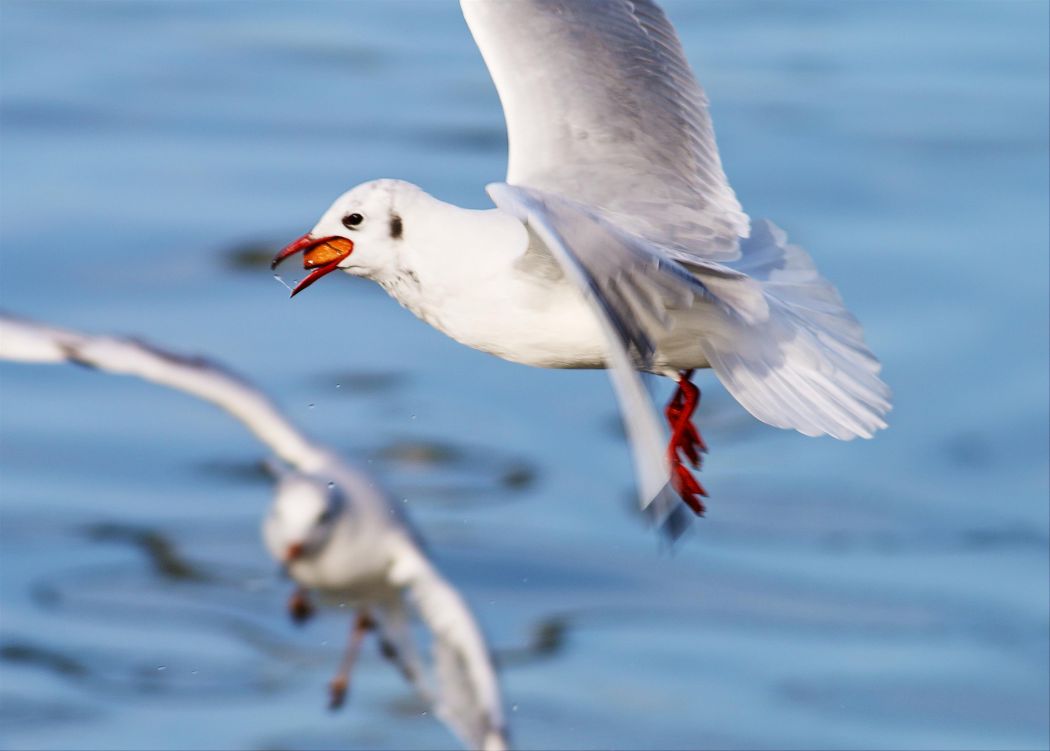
321, 254
293, 553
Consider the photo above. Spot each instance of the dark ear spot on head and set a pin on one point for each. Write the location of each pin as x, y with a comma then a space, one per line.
395, 226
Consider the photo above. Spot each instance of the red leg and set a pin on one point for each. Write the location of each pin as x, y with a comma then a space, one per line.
686, 398
685, 439
362, 624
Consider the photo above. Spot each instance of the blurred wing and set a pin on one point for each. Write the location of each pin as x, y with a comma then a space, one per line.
32, 342
395, 630
602, 107
468, 696
631, 290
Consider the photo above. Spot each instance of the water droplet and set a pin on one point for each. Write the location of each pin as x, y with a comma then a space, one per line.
282, 282
310, 405
514, 708
331, 485
404, 500
162, 667
194, 672
413, 417
339, 385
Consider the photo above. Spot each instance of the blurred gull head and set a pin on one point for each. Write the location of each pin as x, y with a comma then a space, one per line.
304, 512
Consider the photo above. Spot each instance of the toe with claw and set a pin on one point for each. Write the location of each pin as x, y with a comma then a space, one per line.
337, 689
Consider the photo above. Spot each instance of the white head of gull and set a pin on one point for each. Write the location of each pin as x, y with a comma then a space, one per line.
334, 530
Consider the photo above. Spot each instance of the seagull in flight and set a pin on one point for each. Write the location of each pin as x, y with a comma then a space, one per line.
616, 242
329, 525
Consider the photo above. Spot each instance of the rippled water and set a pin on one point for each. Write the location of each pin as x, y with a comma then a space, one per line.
889, 594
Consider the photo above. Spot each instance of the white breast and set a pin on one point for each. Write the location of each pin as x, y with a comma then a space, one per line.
534, 321
467, 274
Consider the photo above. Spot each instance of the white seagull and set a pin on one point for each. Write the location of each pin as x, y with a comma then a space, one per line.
616, 243
329, 525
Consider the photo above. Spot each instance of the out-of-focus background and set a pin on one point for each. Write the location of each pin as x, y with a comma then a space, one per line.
882, 594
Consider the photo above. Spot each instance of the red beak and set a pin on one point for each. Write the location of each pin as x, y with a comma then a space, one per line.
322, 254
294, 552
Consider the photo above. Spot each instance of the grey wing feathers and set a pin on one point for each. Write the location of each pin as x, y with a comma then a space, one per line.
636, 290
601, 105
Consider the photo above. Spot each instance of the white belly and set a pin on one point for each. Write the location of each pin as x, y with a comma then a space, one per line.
540, 322
548, 324
512, 301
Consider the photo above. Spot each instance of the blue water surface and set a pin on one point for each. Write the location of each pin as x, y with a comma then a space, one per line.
875, 594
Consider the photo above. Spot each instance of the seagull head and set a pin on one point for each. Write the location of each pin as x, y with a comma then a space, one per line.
302, 517
361, 233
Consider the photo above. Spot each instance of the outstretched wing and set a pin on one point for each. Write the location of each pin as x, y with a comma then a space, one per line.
601, 106
467, 696
32, 342
632, 292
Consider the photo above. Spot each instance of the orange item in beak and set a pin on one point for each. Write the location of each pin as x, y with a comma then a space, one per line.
333, 250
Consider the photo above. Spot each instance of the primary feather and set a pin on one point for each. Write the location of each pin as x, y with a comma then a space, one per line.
601, 106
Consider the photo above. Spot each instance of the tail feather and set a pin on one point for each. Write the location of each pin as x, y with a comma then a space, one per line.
806, 365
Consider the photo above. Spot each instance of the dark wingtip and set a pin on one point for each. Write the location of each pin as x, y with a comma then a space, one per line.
669, 515
676, 524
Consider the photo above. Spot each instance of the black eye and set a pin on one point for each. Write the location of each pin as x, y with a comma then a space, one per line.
352, 220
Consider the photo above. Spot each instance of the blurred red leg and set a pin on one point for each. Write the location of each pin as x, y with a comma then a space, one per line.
337, 689
299, 607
